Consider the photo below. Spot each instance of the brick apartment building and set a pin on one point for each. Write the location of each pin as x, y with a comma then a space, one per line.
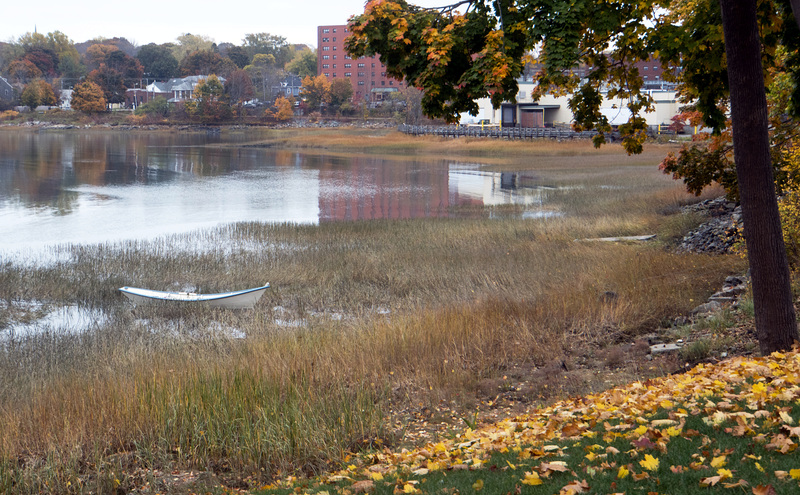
366, 74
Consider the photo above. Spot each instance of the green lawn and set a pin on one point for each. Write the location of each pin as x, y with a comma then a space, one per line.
730, 427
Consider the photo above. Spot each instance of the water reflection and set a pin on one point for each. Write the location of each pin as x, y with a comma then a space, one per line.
74, 187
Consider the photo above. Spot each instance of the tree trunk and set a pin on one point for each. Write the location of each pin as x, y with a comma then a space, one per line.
776, 324
796, 11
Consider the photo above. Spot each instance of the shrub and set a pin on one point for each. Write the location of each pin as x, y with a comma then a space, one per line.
158, 107
9, 115
789, 206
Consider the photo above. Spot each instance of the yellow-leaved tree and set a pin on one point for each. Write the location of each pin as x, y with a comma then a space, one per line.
87, 97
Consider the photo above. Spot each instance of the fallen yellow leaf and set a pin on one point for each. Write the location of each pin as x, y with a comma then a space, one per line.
718, 462
532, 479
650, 463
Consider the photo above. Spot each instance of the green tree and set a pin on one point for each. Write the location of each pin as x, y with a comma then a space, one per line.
204, 62
268, 44
38, 93
208, 104
264, 73
70, 66
316, 91
469, 50
238, 56
341, 92
158, 61
87, 97
190, 43
304, 63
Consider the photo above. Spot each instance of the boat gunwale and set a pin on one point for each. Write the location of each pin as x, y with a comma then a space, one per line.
186, 296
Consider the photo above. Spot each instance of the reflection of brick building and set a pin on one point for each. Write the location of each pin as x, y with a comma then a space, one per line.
366, 74
370, 189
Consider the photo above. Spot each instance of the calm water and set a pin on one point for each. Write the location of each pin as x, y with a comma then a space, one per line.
72, 187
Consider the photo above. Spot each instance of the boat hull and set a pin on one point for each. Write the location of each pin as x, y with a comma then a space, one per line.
243, 299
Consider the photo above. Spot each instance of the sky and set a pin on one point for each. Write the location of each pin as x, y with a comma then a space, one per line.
146, 22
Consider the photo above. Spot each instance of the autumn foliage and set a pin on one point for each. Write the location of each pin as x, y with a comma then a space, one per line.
87, 97
730, 425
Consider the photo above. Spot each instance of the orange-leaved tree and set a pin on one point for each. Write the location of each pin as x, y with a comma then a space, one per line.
87, 97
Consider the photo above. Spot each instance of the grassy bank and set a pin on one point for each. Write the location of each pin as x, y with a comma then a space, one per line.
364, 320
717, 428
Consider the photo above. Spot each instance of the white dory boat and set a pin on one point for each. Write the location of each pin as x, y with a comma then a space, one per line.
243, 299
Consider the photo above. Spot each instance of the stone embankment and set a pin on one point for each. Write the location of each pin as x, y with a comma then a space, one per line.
720, 233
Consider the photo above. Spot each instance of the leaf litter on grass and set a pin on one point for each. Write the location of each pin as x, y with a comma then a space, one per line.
722, 426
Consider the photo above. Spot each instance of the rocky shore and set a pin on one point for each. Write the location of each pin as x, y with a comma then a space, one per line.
720, 233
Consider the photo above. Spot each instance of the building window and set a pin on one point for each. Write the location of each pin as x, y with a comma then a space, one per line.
383, 83
347, 57
334, 39
348, 74
334, 57
360, 66
334, 30
360, 83
347, 66
326, 66
362, 74
383, 74
391, 83
334, 66
325, 40
334, 47
373, 74
327, 74
326, 57
326, 30
325, 48
645, 68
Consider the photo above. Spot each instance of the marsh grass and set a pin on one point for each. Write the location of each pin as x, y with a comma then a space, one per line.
160, 387
384, 314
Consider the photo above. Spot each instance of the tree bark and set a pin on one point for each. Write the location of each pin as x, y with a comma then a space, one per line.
796, 10
776, 324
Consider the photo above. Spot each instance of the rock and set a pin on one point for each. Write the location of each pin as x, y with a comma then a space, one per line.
733, 281
682, 321
708, 307
651, 338
719, 234
663, 348
721, 299
609, 296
